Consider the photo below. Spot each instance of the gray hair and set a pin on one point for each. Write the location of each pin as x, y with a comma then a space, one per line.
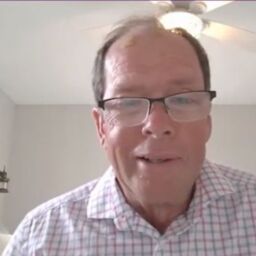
124, 27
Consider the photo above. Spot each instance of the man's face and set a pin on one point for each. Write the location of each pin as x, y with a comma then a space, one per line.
159, 160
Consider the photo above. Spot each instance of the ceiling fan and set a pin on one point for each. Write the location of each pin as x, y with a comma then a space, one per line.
186, 14
173, 13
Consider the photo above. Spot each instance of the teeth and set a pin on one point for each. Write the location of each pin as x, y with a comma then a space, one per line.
155, 161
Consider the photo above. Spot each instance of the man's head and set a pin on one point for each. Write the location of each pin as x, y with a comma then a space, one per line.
126, 27
157, 155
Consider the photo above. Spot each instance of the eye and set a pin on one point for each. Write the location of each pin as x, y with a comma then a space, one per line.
181, 100
130, 103
124, 104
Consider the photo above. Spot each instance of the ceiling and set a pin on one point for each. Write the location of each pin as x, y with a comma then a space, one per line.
47, 49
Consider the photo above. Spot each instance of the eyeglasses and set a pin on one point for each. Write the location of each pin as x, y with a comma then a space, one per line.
181, 107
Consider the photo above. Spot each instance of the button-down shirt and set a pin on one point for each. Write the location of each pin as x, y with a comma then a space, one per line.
96, 220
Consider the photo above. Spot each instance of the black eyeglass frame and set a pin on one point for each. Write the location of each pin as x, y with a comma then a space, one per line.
101, 103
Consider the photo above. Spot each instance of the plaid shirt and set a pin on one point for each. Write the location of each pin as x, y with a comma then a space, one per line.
95, 220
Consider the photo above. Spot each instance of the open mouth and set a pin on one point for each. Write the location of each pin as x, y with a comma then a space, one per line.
155, 160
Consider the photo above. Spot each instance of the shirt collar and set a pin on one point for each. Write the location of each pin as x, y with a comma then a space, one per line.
99, 203
210, 186
213, 183
107, 201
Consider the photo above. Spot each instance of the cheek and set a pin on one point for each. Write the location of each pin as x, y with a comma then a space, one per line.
195, 135
200, 131
120, 143
197, 138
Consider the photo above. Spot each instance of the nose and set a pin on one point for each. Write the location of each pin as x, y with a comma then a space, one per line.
158, 122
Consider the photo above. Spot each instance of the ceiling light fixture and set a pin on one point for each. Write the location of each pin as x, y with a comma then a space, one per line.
181, 19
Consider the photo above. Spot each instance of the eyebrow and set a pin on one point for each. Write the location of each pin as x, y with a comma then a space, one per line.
178, 84
126, 88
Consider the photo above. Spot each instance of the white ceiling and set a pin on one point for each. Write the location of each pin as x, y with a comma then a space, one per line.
47, 50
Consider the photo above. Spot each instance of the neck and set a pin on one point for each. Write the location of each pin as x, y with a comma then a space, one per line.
159, 215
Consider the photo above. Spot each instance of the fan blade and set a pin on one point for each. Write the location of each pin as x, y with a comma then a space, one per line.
212, 5
236, 36
163, 7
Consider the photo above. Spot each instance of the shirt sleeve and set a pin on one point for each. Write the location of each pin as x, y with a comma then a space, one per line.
18, 244
23, 240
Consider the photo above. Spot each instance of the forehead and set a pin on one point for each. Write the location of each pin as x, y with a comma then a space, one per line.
151, 55
153, 43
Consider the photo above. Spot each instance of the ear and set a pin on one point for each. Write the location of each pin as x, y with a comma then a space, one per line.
99, 122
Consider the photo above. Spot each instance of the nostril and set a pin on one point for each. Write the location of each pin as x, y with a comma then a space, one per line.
157, 131
148, 132
167, 132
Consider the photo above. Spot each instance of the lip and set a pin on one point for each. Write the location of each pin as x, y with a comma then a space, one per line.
157, 158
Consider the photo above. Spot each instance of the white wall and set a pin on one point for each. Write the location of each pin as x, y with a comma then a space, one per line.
7, 112
56, 149
233, 139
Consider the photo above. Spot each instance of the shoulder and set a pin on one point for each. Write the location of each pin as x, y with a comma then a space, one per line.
75, 199
236, 203
51, 220
62, 221
241, 184
238, 178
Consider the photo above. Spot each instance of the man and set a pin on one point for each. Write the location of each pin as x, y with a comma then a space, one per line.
160, 196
